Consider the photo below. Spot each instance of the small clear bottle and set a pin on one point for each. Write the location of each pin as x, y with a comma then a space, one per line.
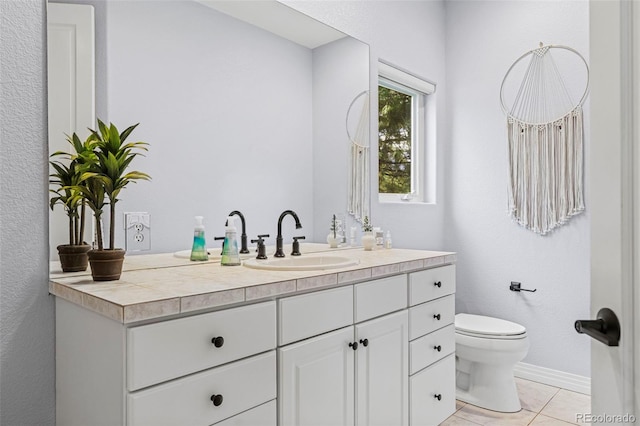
199, 248
387, 240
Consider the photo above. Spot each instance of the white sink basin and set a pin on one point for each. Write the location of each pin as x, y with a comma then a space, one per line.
301, 263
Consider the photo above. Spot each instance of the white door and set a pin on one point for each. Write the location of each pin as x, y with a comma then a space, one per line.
382, 371
316, 381
614, 198
71, 70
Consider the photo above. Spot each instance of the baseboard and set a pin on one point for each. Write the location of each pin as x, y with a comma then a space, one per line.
556, 378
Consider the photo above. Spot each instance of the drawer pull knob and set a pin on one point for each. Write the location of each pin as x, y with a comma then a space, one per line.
218, 341
437, 316
353, 345
364, 342
437, 348
217, 400
438, 284
438, 396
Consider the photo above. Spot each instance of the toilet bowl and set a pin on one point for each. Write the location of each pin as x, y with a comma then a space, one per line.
487, 349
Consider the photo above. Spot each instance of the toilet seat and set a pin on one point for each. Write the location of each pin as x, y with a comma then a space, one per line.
483, 327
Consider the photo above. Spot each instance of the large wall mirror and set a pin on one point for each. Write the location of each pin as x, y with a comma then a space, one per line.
237, 117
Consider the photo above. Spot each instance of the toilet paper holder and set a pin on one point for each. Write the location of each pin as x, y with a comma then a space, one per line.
516, 286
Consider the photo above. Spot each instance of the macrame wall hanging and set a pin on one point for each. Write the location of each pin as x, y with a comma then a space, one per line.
545, 138
358, 190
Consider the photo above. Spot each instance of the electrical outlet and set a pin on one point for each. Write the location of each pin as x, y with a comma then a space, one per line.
137, 229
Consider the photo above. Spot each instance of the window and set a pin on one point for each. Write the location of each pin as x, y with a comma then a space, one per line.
403, 141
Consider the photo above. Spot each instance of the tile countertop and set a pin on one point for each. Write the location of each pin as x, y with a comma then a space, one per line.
159, 285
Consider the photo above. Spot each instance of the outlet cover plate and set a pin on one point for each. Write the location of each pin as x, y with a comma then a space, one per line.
137, 229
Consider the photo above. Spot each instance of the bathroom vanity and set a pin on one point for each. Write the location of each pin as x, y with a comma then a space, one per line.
177, 342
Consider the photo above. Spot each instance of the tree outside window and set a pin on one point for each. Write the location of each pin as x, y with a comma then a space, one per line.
394, 144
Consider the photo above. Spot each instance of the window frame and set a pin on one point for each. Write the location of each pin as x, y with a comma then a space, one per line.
419, 89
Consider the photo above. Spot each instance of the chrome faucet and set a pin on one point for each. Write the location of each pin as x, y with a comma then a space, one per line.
279, 251
243, 236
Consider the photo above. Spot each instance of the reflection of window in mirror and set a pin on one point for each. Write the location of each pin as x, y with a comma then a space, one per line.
403, 137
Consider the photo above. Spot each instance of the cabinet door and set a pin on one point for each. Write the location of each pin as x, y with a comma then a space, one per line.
316, 381
382, 371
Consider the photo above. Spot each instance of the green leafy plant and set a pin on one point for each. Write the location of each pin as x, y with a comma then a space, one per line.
366, 226
333, 226
107, 173
67, 180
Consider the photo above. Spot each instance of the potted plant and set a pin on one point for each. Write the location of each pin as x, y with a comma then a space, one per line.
103, 181
368, 240
66, 179
333, 238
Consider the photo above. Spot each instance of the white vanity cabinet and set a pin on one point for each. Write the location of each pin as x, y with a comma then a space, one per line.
432, 345
357, 374
374, 352
202, 369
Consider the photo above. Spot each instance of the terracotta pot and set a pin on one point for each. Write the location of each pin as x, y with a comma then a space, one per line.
73, 258
106, 265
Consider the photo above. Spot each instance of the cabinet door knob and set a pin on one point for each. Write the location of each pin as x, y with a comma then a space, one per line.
438, 396
218, 341
353, 345
437, 348
217, 400
364, 342
437, 316
438, 284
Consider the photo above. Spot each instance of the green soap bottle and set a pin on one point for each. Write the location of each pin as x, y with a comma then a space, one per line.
230, 254
199, 248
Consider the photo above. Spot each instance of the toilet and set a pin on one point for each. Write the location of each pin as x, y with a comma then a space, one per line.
487, 349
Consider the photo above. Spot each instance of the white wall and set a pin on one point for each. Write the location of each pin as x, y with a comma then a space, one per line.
340, 72
483, 40
27, 367
409, 34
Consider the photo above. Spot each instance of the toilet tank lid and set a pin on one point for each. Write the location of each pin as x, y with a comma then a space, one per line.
479, 324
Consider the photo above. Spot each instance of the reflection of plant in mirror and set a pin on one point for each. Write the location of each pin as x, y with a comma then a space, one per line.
333, 226
106, 175
66, 180
366, 226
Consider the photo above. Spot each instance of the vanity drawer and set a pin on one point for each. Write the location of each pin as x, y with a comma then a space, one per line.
263, 415
379, 297
430, 316
424, 351
170, 349
242, 384
425, 409
315, 313
431, 284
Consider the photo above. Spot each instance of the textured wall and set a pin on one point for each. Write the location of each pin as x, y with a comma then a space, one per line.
27, 392
483, 40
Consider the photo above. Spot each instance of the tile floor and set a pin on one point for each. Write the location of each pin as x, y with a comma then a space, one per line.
542, 405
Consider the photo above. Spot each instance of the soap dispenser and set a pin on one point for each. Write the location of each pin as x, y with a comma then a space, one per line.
199, 248
230, 254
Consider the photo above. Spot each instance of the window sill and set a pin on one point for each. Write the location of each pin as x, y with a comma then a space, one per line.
386, 200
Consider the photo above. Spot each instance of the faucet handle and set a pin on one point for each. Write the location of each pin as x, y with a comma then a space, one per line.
296, 246
218, 239
262, 251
